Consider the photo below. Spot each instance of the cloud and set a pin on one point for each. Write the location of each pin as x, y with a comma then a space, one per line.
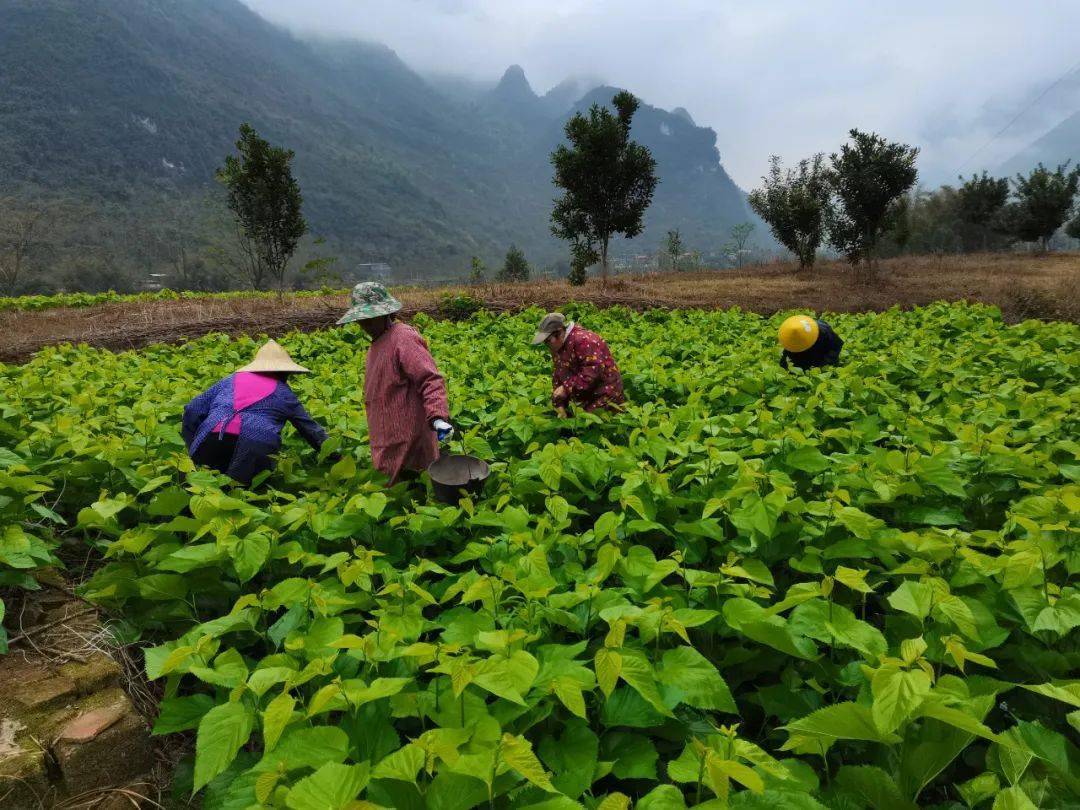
785, 77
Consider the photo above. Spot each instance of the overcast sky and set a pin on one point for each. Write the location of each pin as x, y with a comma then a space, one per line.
788, 77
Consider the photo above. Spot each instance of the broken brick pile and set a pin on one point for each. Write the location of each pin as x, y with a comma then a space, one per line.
66, 730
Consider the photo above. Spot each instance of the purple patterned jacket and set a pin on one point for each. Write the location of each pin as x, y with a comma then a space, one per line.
260, 424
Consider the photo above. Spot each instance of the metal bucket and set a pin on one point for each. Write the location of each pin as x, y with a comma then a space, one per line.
450, 475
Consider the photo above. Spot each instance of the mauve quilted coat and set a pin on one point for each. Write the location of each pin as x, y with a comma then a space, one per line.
403, 393
260, 424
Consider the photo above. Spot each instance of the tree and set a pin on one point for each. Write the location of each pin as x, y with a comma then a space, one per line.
515, 267
265, 200
581, 256
979, 202
1072, 229
674, 247
1043, 202
740, 236
477, 270
924, 222
796, 205
20, 230
869, 177
607, 180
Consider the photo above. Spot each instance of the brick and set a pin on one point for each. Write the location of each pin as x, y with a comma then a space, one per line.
24, 780
96, 673
89, 725
44, 693
114, 757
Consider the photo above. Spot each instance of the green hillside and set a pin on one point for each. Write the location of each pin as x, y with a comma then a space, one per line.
126, 108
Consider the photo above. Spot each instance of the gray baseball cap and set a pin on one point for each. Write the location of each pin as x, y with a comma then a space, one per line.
553, 322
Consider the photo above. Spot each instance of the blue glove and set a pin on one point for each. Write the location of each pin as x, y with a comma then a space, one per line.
443, 429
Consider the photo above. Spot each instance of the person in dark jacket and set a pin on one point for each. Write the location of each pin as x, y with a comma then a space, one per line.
235, 426
809, 343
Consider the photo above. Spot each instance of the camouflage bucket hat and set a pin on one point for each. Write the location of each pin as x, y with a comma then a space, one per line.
370, 300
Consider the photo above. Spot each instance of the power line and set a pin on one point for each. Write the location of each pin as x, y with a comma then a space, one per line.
1018, 116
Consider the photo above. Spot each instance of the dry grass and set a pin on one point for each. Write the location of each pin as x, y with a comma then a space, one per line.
1024, 286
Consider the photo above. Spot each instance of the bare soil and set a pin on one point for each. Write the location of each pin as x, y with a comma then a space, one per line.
1023, 286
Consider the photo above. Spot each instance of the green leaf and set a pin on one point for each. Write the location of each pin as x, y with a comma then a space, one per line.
403, 765
664, 797
572, 757
276, 717
913, 597
873, 787
626, 707
306, 747
569, 693
1065, 691
222, 732
978, 790
751, 620
517, 754
608, 666
691, 679
853, 579
1013, 798
832, 623
807, 458
250, 554
634, 755
181, 713
1054, 749
639, 674
839, 721
897, 694
331, 787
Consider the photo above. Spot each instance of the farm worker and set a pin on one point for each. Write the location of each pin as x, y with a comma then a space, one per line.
583, 370
809, 343
404, 393
235, 426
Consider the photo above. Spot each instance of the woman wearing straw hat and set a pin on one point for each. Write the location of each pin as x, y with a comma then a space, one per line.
235, 426
404, 393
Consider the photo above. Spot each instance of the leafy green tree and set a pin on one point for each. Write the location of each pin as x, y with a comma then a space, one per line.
581, 256
477, 270
607, 180
266, 201
924, 222
796, 205
1072, 228
1043, 202
979, 202
869, 178
515, 267
675, 249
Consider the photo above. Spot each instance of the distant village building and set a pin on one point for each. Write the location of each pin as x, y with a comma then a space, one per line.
367, 271
154, 282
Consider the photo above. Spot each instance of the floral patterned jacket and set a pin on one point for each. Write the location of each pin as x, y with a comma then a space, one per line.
586, 371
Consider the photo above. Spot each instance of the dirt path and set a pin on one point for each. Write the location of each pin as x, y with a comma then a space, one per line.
1023, 286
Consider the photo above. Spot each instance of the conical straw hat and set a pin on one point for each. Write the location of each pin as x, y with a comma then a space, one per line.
271, 357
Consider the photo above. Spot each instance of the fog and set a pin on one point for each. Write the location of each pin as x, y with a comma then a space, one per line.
787, 77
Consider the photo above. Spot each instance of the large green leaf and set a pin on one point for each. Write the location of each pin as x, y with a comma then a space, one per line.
181, 713
839, 721
331, 787
689, 678
873, 787
222, 731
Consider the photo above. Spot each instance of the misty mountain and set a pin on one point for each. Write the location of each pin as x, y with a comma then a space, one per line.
124, 101
1060, 144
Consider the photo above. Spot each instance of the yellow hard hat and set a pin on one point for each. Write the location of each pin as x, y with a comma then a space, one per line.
798, 333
